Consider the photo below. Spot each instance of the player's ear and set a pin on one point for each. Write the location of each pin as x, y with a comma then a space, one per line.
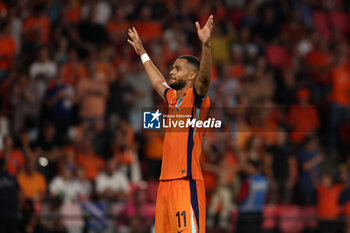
193, 76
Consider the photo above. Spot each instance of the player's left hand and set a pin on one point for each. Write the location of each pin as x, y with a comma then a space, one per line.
204, 34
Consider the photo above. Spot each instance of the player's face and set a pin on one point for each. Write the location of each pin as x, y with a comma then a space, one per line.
179, 74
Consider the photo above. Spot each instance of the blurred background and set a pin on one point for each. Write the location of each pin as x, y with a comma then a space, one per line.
73, 155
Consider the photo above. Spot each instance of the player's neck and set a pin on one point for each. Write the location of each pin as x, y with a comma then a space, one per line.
180, 93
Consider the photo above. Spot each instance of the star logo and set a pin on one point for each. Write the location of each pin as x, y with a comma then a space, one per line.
155, 115
151, 120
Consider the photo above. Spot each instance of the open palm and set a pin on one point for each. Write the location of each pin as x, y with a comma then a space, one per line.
204, 33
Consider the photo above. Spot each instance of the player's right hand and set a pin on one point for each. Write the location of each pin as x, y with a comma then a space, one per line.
135, 41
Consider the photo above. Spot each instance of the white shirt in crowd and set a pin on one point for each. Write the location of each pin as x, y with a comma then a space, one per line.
70, 189
48, 69
118, 181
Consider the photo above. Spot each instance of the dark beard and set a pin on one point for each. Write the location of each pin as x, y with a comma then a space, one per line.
178, 85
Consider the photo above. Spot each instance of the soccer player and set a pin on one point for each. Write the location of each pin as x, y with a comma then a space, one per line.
180, 203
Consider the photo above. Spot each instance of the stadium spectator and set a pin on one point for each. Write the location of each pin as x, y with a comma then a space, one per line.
4, 130
255, 150
226, 87
268, 28
7, 50
50, 216
65, 187
138, 81
317, 66
84, 183
102, 60
26, 101
139, 211
13, 157
340, 81
281, 170
61, 56
121, 95
32, 183
102, 139
222, 37
345, 195
73, 70
101, 9
293, 30
112, 184
299, 125
252, 198
285, 93
260, 86
90, 33
328, 195
88, 159
222, 201
309, 159
43, 69
59, 103
149, 28
92, 94
125, 151
9, 200
48, 149
153, 153
117, 26
37, 26
238, 69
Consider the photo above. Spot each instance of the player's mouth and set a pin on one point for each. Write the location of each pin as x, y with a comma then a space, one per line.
172, 79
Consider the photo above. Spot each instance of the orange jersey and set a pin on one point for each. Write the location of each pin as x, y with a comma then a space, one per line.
182, 148
327, 201
341, 85
15, 162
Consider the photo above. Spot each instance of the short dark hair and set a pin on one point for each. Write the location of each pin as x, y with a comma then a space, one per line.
191, 60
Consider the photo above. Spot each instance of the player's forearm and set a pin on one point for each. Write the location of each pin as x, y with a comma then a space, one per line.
205, 70
154, 75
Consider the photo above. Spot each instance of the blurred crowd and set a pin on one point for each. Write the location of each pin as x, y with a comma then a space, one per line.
73, 157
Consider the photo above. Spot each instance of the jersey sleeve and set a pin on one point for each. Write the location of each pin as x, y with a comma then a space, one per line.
169, 94
199, 100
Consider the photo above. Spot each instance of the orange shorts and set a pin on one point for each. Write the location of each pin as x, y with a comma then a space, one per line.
180, 206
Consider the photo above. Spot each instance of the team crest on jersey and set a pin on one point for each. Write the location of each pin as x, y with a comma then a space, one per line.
179, 102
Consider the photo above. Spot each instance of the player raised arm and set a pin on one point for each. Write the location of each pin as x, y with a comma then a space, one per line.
203, 80
156, 78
